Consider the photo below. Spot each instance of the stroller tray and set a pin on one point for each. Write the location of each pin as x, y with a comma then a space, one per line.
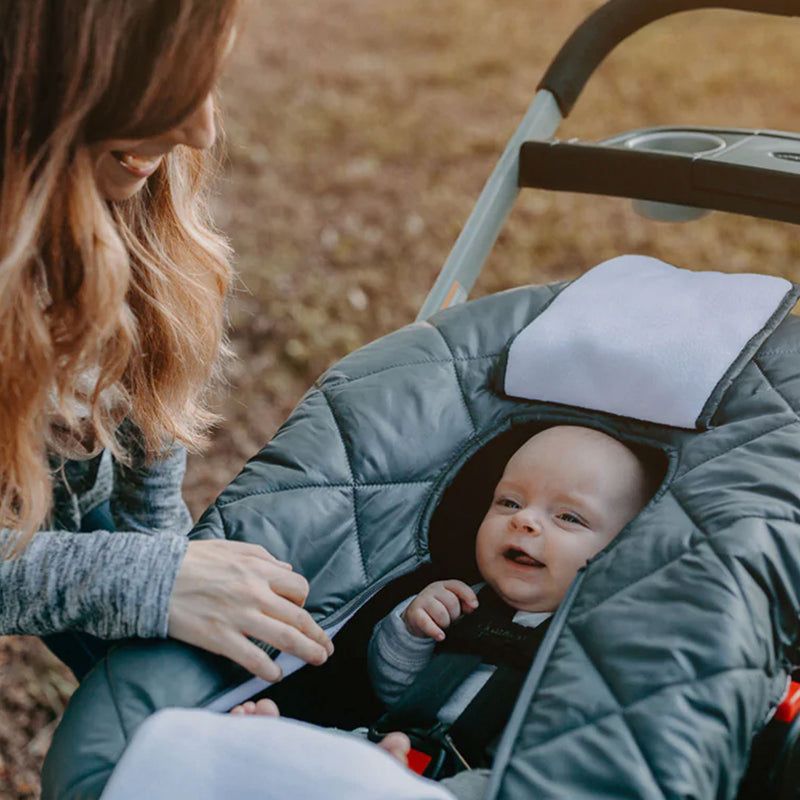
750, 172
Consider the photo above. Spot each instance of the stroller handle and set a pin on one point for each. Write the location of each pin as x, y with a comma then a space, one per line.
603, 30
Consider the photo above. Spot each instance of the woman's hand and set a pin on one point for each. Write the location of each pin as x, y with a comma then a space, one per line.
226, 591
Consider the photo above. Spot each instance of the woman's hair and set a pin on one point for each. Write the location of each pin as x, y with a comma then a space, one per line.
111, 307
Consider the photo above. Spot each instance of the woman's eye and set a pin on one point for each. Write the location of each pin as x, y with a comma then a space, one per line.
507, 502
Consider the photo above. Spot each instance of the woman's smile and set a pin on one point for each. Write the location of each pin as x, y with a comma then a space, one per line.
136, 165
122, 166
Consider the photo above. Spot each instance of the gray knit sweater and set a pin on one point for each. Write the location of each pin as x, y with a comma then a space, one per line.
112, 585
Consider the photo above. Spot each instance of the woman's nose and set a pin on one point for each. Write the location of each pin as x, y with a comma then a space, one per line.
199, 129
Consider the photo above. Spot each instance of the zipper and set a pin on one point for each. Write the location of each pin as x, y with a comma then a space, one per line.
448, 740
233, 695
529, 689
346, 611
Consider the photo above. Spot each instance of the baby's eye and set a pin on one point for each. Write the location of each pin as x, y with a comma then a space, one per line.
507, 502
573, 519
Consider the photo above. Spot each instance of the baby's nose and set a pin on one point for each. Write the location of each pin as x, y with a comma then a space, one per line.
526, 521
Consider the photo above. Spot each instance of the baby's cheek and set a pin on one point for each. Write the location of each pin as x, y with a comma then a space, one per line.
573, 561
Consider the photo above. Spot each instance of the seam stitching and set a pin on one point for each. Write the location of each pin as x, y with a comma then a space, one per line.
352, 487
461, 391
348, 379
317, 486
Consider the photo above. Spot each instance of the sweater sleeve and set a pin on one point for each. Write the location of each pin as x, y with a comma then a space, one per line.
395, 657
112, 585
147, 495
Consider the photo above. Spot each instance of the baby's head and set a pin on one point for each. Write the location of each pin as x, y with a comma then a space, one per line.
564, 495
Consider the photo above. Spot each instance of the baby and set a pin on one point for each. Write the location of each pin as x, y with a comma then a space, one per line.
563, 496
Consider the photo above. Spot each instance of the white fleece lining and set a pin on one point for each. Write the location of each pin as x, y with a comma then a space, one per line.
640, 338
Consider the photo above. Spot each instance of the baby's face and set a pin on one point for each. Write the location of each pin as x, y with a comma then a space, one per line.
564, 495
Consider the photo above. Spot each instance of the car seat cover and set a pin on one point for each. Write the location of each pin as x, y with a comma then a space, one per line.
676, 639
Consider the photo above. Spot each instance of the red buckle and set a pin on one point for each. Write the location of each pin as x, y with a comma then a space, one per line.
790, 705
418, 761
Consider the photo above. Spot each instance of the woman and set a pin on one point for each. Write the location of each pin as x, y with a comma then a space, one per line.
112, 283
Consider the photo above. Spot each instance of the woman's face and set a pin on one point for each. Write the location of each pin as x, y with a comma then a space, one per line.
122, 166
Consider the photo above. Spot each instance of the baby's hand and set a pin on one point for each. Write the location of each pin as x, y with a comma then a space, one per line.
437, 606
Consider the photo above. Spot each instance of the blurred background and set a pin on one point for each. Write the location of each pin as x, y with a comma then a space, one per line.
360, 134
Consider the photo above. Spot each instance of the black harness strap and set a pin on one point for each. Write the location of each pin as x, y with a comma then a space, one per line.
487, 714
419, 704
487, 635
491, 633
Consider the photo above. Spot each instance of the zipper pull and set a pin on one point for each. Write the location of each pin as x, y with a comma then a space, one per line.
448, 740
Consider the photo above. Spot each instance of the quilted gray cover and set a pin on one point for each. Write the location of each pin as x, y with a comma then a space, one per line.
671, 647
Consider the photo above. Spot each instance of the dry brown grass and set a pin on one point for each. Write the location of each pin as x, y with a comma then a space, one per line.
360, 136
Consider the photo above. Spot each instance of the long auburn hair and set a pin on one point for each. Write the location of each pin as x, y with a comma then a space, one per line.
128, 293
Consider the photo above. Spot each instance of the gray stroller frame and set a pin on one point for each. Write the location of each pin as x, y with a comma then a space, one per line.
673, 173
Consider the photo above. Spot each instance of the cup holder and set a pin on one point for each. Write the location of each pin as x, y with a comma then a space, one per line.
689, 143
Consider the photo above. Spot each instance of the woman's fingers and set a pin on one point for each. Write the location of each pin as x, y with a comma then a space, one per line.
286, 637
281, 581
256, 551
226, 592
250, 656
273, 604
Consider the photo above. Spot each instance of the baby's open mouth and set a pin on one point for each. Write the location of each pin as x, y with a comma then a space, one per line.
521, 557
